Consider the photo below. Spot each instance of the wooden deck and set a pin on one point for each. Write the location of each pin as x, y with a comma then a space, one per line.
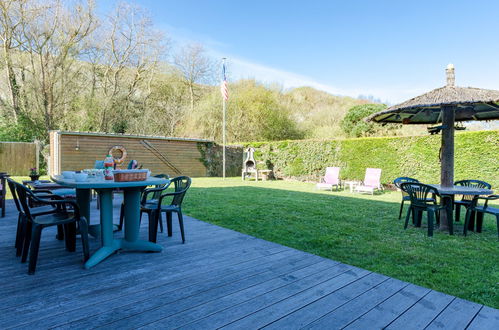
219, 278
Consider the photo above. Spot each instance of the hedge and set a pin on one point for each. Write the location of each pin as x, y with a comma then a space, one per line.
476, 157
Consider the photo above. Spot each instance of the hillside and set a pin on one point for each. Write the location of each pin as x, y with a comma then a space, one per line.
316, 112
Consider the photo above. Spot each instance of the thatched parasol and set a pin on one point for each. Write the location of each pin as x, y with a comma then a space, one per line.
444, 105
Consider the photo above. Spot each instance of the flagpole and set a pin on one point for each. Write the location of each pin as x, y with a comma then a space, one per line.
223, 127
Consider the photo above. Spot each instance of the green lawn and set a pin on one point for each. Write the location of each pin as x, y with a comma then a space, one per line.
359, 230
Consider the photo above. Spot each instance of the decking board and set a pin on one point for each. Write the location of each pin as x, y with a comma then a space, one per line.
219, 278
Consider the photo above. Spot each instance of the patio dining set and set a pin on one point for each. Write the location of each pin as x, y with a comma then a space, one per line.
65, 203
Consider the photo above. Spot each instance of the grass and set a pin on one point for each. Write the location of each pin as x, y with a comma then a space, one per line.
359, 230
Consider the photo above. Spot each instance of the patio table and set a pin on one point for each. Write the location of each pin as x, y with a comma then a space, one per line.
448, 194
132, 191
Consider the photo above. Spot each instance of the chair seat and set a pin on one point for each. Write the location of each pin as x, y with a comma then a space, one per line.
326, 185
64, 192
53, 219
465, 203
165, 208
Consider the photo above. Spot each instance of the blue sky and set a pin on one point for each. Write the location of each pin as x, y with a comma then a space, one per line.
392, 50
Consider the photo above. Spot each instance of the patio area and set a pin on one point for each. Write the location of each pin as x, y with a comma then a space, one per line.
219, 278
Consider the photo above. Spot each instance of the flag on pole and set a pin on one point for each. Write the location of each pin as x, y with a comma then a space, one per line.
224, 87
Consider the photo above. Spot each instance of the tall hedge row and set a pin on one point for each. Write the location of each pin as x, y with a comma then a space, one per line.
476, 157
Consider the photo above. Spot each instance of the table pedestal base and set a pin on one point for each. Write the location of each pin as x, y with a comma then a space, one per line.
121, 244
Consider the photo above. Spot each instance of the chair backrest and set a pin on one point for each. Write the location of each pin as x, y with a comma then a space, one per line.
473, 184
181, 184
398, 181
421, 194
23, 193
372, 177
99, 165
332, 175
157, 194
12, 187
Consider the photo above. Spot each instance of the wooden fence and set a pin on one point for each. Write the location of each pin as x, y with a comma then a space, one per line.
70, 151
16, 158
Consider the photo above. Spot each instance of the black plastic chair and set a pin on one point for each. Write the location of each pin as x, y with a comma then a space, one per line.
156, 193
480, 212
420, 201
405, 196
3, 192
181, 184
467, 199
33, 226
22, 217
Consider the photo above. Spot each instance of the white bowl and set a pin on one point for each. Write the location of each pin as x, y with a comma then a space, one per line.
81, 177
68, 174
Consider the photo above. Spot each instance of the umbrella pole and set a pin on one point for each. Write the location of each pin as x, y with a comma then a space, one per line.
447, 165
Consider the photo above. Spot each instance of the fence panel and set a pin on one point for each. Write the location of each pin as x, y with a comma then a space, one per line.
16, 158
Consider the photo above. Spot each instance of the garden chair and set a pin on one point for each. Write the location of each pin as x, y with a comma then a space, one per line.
3, 192
372, 181
405, 196
419, 195
181, 184
34, 224
156, 193
480, 212
332, 178
467, 199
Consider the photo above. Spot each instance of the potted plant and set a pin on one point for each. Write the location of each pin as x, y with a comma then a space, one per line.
33, 174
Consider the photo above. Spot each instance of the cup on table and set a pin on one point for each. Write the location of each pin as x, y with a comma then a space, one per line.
68, 174
81, 177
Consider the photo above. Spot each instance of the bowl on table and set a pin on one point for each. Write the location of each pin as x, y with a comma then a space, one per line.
81, 177
68, 174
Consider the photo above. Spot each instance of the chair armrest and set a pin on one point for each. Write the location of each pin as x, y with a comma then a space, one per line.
169, 195
59, 202
148, 191
487, 199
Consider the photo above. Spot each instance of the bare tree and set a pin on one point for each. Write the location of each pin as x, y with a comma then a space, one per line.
13, 16
54, 38
195, 66
125, 61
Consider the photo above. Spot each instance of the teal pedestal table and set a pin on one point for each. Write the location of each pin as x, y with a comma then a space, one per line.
132, 192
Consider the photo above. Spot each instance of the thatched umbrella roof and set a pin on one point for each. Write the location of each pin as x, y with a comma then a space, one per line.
470, 104
444, 105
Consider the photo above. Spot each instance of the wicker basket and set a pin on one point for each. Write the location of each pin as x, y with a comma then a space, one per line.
130, 175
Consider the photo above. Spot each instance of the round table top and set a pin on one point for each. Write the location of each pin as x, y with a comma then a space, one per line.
461, 190
107, 184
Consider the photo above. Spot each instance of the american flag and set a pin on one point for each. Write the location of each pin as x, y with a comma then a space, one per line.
224, 87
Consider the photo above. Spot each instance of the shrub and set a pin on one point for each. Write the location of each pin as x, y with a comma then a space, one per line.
415, 156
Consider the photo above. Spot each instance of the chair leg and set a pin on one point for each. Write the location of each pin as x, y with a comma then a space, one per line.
160, 220
471, 223
409, 212
27, 240
181, 224
84, 238
497, 220
431, 216
169, 226
70, 234
479, 220
401, 207
60, 233
449, 220
466, 220
458, 212
34, 247
122, 216
19, 235
153, 226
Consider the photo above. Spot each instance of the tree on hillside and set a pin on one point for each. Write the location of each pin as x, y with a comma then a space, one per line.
354, 125
196, 67
254, 113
